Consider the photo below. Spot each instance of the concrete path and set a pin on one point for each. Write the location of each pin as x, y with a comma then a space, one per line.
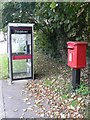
2, 112
12, 104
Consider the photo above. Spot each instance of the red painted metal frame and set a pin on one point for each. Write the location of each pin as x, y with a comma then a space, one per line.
19, 57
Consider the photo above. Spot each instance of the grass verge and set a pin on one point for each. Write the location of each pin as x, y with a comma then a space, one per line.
3, 66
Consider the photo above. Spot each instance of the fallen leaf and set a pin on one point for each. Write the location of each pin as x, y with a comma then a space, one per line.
28, 103
21, 117
30, 108
15, 110
10, 97
26, 99
62, 115
42, 115
24, 110
37, 101
79, 99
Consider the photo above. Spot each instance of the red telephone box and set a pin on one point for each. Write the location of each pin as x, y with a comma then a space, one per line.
77, 54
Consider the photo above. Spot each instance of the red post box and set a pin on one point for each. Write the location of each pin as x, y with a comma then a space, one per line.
77, 54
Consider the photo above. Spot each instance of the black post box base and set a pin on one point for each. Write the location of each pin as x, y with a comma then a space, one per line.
75, 78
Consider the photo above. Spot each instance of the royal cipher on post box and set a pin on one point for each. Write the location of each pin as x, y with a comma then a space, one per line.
77, 54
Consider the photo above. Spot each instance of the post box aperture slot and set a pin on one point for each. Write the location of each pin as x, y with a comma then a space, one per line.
69, 47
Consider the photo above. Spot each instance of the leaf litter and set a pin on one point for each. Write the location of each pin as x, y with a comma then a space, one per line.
52, 91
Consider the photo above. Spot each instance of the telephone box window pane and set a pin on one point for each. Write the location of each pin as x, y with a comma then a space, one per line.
21, 69
19, 43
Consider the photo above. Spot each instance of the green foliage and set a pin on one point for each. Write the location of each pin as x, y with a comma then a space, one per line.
83, 90
41, 41
62, 22
53, 5
48, 83
88, 51
17, 12
3, 66
64, 96
55, 23
1, 10
74, 103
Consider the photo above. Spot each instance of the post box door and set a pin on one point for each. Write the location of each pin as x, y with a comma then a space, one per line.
81, 56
